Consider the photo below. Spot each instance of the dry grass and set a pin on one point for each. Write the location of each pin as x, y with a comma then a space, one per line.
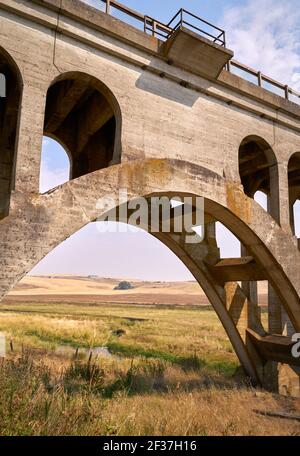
37, 398
172, 374
171, 334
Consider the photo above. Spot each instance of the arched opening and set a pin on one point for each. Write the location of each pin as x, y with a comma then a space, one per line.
104, 249
294, 192
84, 117
210, 273
84, 274
10, 99
159, 348
259, 173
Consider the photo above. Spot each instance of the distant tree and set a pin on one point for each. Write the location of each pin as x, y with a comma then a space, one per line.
124, 286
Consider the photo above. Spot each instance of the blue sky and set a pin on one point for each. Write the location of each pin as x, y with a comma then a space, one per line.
163, 10
264, 34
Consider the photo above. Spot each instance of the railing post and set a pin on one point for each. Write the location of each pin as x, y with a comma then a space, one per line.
286, 90
154, 25
259, 78
107, 7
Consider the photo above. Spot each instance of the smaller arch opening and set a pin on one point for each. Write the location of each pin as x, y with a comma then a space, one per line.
259, 173
294, 192
83, 116
10, 100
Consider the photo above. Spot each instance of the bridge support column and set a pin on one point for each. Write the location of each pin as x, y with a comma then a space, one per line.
31, 126
242, 309
275, 310
284, 200
289, 376
281, 378
248, 289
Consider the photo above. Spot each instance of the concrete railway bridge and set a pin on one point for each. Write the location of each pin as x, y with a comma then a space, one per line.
160, 111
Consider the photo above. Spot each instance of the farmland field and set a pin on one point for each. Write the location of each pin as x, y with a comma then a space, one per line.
85, 359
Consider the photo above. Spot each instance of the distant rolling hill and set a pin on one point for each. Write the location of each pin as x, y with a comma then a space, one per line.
95, 289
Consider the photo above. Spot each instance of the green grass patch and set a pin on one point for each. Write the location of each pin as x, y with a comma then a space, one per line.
185, 362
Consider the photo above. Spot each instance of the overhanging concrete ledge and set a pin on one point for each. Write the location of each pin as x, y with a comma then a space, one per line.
194, 53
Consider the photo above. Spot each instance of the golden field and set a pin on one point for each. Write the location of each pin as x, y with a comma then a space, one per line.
153, 360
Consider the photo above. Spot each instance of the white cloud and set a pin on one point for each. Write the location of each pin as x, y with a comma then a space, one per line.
95, 3
265, 34
50, 178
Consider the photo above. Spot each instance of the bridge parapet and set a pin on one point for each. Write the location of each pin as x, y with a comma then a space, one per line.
184, 19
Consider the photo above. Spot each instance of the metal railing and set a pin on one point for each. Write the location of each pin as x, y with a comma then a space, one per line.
261, 78
182, 18
155, 27
189, 20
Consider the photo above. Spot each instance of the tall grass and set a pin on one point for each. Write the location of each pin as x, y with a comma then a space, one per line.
147, 398
172, 373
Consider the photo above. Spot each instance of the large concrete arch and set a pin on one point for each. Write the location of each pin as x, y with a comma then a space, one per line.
40, 223
77, 200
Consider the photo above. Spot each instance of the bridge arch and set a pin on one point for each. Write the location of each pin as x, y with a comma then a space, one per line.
212, 291
10, 101
84, 117
226, 203
258, 171
77, 203
294, 190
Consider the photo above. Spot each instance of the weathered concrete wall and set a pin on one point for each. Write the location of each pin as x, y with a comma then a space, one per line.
160, 118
